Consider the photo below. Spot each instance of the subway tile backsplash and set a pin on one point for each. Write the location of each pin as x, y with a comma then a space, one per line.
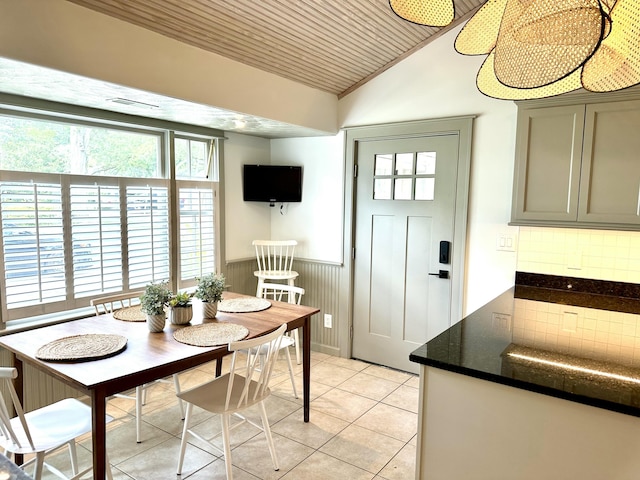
583, 332
596, 254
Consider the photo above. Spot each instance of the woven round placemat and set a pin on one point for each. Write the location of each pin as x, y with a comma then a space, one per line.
243, 305
130, 314
211, 334
90, 346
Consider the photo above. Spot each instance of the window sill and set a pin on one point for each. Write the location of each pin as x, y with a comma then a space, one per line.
15, 326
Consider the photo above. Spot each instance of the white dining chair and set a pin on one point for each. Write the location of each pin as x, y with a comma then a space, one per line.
110, 304
246, 384
275, 261
293, 295
43, 431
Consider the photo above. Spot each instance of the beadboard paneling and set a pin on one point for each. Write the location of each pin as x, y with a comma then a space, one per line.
321, 282
330, 45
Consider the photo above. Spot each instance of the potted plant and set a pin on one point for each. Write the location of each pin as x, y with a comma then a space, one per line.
152, 303
180, 308
209, 290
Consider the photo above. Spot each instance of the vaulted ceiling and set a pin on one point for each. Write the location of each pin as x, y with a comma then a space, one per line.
332, 45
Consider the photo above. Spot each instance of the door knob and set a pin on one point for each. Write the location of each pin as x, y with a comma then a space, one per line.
441, 274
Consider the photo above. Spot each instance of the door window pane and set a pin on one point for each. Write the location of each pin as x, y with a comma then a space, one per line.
426, 163
402, 190
412, 177
425, 188
404, 163
383, 164
382, 189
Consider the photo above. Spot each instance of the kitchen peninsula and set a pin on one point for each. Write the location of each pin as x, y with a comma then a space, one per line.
542, 382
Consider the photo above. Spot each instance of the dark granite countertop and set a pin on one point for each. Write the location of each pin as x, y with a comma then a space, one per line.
551, 335
10, 470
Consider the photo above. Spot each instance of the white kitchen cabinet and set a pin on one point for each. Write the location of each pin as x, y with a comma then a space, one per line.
578, 164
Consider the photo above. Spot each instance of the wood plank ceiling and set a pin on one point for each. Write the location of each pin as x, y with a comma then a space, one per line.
332, 45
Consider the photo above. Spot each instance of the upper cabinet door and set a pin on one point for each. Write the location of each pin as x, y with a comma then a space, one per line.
547, 170
610, 179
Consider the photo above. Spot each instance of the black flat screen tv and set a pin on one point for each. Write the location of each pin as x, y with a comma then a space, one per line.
272, 183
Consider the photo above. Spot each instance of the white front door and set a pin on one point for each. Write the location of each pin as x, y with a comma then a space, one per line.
405, 208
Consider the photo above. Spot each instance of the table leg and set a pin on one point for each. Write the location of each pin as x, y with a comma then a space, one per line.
99, 435
306, 366
18, 384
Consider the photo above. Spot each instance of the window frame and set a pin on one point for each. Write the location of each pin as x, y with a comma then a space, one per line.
166, 131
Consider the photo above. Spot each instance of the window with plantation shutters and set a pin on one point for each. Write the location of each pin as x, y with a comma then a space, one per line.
89, 208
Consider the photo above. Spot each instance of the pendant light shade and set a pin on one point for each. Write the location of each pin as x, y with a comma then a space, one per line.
489, 84
479, 35
616, 64
435, 13
543, 41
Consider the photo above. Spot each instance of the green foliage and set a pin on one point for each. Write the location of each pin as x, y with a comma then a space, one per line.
180, 299
32, 145
155, 297
210, 288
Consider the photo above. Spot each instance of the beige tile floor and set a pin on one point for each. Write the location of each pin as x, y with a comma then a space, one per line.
362, 426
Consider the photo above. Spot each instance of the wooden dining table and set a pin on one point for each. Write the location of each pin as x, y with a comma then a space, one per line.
147, 356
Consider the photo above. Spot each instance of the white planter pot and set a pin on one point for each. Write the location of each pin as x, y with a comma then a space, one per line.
209, 309
156, 323
180, 315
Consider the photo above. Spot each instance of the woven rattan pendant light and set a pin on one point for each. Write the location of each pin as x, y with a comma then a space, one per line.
435, 13
542, 48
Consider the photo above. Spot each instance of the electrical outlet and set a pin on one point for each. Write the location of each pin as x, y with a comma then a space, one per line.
328, 320
501, 321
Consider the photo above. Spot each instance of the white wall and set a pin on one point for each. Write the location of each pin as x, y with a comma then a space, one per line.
437, 82
244, 221
316, 222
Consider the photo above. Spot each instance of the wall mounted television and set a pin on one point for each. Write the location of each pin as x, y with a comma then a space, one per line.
272, 183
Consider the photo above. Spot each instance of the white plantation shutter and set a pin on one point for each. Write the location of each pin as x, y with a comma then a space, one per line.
96, 230
196, 220
148, 234
33, 245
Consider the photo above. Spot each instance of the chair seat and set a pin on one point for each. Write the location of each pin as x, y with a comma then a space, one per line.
51, 426
276, 274
212, 395
286, 342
